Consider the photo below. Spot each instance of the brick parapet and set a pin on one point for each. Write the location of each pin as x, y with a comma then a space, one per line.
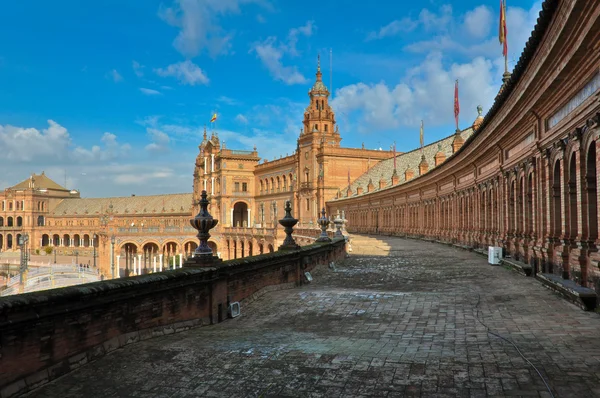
49, 333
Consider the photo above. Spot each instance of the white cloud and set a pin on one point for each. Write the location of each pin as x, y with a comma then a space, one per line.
241, 119
27, 144
160, 141
115, 76
138, 69
429, 20
186, 72
478, 21
421, 95
393, 28
271, 52
228, 100
149, 91
198, 23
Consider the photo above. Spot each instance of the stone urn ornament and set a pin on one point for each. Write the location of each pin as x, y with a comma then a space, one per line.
288, 222
203, 222
338, 225
323, 221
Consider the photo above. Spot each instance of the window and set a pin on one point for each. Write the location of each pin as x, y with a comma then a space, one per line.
236, 187
325, 128
244, 187
307, 204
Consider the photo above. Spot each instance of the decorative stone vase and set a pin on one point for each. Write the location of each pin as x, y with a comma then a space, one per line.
338, 225
203, 222
288, 223
323, 222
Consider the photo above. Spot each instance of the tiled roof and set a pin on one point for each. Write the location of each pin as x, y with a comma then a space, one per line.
155, 204
411, 159
40, 181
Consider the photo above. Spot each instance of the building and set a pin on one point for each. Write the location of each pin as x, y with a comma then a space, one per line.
527, 179
146, 233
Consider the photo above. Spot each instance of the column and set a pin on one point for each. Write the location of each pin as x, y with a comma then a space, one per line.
205, 184
134, 267
160, 262
154, 264
232, 217
180, 260
212, 162
249, 219
212, 184
118, 266
205, 166
139, 264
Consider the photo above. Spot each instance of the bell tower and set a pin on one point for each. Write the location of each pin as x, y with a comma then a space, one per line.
319, 133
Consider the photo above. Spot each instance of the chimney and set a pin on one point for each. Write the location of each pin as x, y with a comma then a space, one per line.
349, 192
370, 186
457, 142
423, 166
359, 190
395, 178
409, 174
382, 182
439, 157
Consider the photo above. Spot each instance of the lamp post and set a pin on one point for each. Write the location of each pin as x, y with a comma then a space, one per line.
112, 256
94, 247
54, 254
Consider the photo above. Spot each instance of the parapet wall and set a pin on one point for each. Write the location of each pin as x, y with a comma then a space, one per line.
46, 334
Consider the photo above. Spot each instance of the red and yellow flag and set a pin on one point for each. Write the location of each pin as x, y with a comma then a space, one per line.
456, 104
502, 31
214, 118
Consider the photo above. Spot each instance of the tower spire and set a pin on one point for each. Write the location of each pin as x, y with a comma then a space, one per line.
319, 74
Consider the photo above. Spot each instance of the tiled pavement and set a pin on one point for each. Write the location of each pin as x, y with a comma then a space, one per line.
398, 318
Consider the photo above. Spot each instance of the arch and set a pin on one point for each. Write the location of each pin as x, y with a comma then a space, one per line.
170, 248
56, 240
235, 247
1, 221
19, 221
9, 222
86, 240
261, 248
261, 185
128, 251
250, 249
271, 250
76, 240
285, 186
45, 240
18, 239
41, 221
291, 180
66, 240
149, 253
556, 214
1, 242
572, 196
591, 212
9, 241
272, 185
278, 184
240, 214
529, 205
189, 247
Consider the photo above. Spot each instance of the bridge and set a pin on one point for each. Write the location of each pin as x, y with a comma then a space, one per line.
50, 276
386, 321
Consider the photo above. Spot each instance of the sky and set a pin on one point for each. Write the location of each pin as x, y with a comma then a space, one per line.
112, 97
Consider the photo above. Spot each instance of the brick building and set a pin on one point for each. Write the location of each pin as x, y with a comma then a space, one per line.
527, 178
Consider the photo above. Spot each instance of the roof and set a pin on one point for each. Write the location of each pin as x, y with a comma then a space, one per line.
132, 205
39, 181
385, 168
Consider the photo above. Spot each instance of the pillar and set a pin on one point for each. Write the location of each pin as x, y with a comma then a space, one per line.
212, 183
160, 262
180, 260
249, 219
134, 267
232, 218
154, 264
212, 162
118, 266
205, 169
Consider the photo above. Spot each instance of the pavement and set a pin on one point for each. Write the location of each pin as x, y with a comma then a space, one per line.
398, 318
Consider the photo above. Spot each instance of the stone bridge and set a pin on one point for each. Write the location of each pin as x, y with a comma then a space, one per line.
398, 317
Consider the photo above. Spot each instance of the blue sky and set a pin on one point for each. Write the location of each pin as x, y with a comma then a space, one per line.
116, 93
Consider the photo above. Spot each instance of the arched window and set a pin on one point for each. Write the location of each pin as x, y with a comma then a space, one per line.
19, 221
325, 128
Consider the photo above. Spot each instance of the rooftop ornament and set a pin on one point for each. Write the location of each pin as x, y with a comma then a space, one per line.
203, 222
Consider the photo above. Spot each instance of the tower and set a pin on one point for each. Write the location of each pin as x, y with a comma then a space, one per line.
318, 134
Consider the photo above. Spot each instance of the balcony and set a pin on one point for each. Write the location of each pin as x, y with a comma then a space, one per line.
306, 185
13, 228
249, 231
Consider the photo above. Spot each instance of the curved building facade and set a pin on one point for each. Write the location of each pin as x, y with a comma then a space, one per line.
527, 178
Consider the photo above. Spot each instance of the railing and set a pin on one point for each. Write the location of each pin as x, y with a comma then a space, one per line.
252, 231
13, 228
306, 185
239, 152
55, 276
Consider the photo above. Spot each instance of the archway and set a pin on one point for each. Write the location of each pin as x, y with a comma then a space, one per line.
40, 221
76, 240
55, 240
9, 241
1, 221
149, 254
261, 248
271, 249
66, 240
240, 215
9, 222
45, 240
169, 252
189, 248
1, 242
129, 251
573, 197
213, 247
86, 240
250, 247
19, 221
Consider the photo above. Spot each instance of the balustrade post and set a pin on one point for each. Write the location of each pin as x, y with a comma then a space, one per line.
203, 223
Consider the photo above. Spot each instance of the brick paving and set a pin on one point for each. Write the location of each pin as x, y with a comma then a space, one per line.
397, 318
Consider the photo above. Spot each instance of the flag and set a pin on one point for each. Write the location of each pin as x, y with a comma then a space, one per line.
394, 155
456, 104
502, 31
214, 118
421, 136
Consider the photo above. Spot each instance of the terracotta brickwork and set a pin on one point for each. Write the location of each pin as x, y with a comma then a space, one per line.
527, 179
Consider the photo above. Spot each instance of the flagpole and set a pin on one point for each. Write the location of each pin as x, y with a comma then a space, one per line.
505, 39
